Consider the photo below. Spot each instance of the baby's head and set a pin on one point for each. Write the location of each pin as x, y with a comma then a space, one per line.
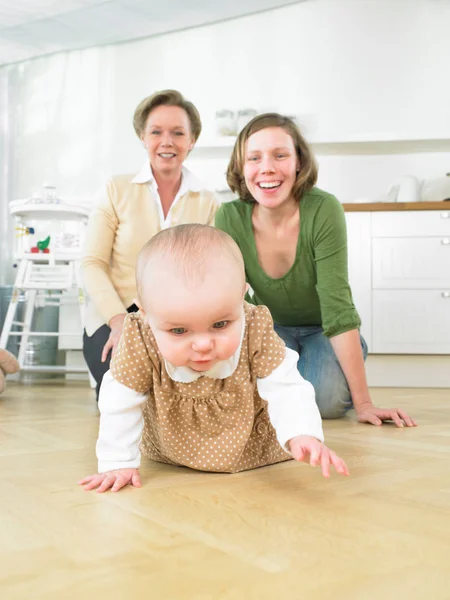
191, 287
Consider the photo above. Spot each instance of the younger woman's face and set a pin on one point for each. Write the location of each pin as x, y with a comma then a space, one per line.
270, 166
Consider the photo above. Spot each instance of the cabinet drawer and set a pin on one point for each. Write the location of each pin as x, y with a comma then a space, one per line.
70, 323
411, 223
411, 322
411, 263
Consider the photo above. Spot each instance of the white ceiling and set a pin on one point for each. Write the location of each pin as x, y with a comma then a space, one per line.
31, 28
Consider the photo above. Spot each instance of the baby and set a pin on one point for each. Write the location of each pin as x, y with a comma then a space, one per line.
200, 378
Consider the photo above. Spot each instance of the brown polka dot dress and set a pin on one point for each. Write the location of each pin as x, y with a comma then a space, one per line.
219, 425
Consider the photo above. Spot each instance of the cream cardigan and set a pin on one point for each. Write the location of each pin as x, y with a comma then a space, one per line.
125, 216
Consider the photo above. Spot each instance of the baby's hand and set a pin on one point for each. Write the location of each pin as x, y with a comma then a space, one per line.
303, 446
114, 480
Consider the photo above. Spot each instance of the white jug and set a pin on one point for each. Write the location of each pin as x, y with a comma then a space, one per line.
405, 189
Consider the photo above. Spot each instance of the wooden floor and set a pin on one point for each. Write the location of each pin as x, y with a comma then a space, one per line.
280, 532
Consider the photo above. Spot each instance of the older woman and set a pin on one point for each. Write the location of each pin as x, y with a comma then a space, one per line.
133, 208
293, 239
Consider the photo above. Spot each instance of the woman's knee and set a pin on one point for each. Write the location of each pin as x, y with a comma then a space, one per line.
333, 398
92, 352
333, 394
334, 410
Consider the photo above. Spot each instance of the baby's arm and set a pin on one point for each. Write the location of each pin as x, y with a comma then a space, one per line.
120, 433
291, 401
295, 416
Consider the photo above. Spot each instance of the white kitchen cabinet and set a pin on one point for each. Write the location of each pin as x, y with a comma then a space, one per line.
411, 223
411, 322
399, 270
411, 282
70, 323
359, 242
411, 263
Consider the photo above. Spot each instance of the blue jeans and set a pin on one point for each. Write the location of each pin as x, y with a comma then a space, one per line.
319, 365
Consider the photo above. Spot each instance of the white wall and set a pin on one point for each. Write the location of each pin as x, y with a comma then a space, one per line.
359, 66
364, 68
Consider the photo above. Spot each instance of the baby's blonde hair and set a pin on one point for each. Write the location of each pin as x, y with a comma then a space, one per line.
192, 249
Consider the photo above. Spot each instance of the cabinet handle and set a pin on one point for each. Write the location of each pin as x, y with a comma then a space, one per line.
445, 215
445, 242
445, 294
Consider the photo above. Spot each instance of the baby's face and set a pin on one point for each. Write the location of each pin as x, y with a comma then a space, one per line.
198, 327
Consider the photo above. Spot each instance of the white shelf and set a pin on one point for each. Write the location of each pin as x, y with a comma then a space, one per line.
351, 146
49, 257
26, 209
386, 146
219, 142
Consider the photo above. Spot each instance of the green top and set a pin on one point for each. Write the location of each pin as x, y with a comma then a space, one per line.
315, 291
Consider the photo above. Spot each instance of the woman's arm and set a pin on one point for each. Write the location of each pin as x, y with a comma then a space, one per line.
347, 347
103, 223
340, 320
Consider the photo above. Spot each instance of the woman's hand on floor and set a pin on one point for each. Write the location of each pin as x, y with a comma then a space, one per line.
368, 413
113, 480
304, 447
116, 325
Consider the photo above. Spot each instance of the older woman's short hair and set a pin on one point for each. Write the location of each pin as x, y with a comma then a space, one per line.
166, 98
307, 175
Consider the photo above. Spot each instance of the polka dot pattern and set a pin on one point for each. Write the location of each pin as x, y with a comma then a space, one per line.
219, 425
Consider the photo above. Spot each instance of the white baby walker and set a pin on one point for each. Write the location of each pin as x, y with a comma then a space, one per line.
49, 239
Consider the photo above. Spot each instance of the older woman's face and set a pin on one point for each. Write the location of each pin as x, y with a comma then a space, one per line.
270, 166
167, 138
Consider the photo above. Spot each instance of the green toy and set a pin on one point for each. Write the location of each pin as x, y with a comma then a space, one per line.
43, 245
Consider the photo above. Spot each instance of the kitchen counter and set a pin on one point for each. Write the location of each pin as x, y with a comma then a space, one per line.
395, 206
